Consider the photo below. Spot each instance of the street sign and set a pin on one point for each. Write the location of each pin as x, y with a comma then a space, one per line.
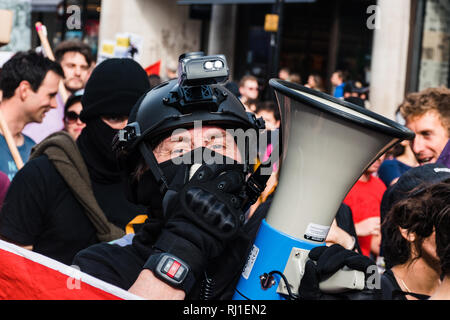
271, 22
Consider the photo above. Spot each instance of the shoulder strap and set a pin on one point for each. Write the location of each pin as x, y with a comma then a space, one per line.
63, 152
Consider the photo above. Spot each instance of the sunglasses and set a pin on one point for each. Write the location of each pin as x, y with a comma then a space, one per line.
71, 117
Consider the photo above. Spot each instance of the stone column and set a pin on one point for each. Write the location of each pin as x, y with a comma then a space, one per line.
164, 26
389, 56
222, 32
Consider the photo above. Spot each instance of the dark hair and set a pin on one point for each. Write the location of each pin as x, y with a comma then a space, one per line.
74, 98
269, 106
442, 224
246, 78
154, 80
26, 66
74, 45
340, 74
396, 150
417, 215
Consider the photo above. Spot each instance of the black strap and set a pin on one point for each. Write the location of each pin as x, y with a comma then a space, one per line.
419, 296
154, 167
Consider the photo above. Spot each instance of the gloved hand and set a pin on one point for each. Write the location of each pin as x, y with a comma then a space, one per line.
203, 216
326, 261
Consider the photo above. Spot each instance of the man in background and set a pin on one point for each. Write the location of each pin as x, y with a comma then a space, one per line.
427, 113
29, 83
248, 90
337, 80
77, 62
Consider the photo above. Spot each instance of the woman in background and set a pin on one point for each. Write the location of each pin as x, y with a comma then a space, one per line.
72, 123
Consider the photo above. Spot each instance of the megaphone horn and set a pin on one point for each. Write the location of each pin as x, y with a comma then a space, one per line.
327, 144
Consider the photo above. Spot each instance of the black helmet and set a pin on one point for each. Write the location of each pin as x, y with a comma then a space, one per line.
163, 109
173, 105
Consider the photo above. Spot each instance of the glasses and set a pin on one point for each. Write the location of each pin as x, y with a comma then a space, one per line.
71, 117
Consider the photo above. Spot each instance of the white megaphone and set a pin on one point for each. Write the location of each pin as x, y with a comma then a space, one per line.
326, 145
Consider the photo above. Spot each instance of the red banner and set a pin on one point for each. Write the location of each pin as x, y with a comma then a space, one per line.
27, 275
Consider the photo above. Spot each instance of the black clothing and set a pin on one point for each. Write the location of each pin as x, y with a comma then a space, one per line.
94, 143
391, 290
356, 100
390, 287
344, 220
113, 88
40, 210
63, 153
120, 264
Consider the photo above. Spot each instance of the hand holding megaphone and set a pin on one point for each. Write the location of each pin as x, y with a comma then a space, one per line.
332, 272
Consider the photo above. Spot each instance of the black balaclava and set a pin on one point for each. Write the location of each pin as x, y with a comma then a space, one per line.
112, 90
177, 174
94, 143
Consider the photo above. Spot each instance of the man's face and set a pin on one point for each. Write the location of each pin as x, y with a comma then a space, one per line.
186, 140
250, 89
76, 70
38, 103
335, 79
283, 74
431, 136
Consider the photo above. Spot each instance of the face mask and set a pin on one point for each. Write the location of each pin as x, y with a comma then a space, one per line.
95, 146
177, 172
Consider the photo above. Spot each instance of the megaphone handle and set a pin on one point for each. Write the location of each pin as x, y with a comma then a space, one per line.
343, 280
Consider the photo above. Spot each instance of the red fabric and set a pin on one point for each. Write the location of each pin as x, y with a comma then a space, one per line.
24, 279
364, 199
154, 68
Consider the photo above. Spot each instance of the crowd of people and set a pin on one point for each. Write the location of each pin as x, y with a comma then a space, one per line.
118, 207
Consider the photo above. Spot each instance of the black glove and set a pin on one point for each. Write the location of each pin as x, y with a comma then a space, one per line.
202, 217
326, 261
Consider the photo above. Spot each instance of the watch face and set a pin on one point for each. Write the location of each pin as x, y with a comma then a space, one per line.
174, 270
171, 269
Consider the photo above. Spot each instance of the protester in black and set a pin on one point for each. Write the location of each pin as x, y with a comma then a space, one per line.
197, 221
70, 195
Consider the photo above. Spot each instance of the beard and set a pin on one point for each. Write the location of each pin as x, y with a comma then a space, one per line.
74, 84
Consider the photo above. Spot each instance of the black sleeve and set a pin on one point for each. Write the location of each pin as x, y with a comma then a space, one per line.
344, 220
112, 263
22, 214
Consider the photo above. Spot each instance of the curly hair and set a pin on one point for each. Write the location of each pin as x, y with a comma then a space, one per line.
431, 99
442, 222
417, 214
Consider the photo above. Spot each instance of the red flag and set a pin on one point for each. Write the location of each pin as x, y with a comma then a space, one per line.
154, 68
27, 275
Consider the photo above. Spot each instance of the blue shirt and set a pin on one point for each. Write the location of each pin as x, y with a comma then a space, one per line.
7, 164
339, 91
391, 169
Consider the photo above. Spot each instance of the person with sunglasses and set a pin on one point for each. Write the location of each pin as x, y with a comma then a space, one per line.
72, 122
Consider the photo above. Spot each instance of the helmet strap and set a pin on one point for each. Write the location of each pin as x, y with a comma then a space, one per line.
150, 159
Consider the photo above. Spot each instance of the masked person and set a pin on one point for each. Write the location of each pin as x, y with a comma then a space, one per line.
193, 180
70, 195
